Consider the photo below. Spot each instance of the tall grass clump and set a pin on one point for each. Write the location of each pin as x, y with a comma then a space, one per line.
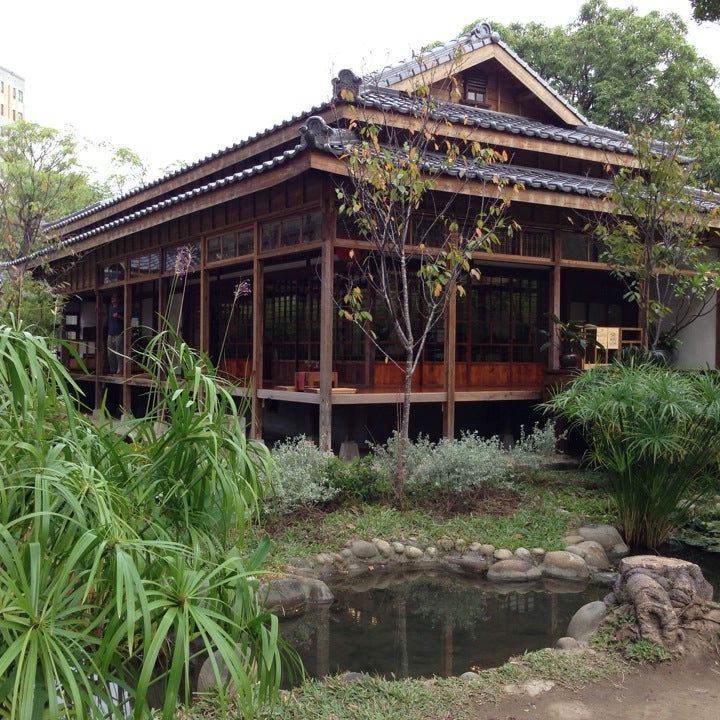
121, 563
656, 431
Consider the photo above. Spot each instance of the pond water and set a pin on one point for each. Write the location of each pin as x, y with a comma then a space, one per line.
431, 624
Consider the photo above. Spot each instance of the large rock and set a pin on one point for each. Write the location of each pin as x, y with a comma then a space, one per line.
668, 598
592, 553
363, 549
207, 679
605, 535
291, 594
513, 570
471, 563
502, 554
565, 566
587, 620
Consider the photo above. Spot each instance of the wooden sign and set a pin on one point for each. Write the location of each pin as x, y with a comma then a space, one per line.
613, 338
601, 335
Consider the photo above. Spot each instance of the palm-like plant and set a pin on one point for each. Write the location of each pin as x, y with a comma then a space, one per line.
122, 565
656, 431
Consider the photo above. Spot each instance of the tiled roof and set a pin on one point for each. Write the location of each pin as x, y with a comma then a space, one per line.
161, 205
480, 36
583, 135
90, 209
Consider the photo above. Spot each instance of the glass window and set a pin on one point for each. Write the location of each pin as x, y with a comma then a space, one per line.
230, 245
145, 265
312, 226
113, 273
180, 259
291, 231
270, 234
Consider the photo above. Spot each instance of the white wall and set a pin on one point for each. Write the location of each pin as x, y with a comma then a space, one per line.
698, 343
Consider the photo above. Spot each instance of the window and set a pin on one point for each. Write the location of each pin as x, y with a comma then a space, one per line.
145, 265
14, 93
14, 115
293, 230
178, 263
2, 86
528, 242
578, 246
113, 273
2, 110
475, 89
20, 116
20, 95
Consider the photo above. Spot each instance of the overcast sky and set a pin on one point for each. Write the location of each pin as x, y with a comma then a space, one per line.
176, 80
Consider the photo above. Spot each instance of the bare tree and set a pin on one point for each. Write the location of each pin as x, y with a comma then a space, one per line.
420, 232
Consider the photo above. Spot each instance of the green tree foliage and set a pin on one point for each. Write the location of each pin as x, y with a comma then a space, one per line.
706, 10
623, 70
40, 179
124, 562
656, 241
656, 432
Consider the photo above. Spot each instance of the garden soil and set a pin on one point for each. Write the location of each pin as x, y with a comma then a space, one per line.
687, 689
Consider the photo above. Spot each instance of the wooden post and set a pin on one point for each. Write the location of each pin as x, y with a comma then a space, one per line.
449, 356
327, 271
127, 345
204, 310
258, 318
99, 343
326, 344
555, 278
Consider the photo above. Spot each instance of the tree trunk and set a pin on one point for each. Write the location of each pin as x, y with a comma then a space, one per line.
404, 438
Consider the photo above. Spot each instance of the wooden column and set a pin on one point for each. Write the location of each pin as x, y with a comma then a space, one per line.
555, 278
449, 356
99, 344
204, 310
327, 272
258, 318
127, 345
326, 344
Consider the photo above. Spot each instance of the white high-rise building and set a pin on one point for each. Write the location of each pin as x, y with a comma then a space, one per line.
12, 96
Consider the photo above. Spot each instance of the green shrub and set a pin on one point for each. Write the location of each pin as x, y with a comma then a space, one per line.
121, 563
448, 468
298, 476
537, 446
656, 432
357, 481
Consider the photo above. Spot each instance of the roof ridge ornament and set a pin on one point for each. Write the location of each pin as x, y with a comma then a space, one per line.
346, 86
484, 31
318, 135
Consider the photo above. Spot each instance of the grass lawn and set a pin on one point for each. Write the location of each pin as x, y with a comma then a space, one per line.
536, 512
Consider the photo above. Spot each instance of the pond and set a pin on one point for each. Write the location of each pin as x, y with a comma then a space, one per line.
437, 624
422, 625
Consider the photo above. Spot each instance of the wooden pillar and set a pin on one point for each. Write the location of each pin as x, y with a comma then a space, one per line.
327, 273
204, 310
258, 318
99, 344
449, 356
555, 305
127, 345
326, 344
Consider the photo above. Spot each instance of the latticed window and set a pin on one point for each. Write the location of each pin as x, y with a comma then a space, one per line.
476, 89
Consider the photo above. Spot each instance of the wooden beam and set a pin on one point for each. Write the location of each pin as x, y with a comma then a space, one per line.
449, 356
99, 343
327, 273
258, 318
204, 310
467, 133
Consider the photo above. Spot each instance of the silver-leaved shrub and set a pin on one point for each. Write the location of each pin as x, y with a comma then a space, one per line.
298, 476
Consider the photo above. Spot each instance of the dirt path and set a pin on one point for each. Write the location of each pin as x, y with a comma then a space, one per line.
683, 690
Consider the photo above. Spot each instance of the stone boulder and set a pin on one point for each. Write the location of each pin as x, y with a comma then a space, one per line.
607, 536
292, 594
565, 566
587, 620
513, 570
668, 598
470, 563
363, 549
592, 553
502, 554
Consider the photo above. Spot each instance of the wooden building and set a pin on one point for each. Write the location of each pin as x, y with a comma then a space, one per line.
265, 211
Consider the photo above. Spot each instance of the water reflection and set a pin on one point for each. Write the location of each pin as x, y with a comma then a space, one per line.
431, 624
